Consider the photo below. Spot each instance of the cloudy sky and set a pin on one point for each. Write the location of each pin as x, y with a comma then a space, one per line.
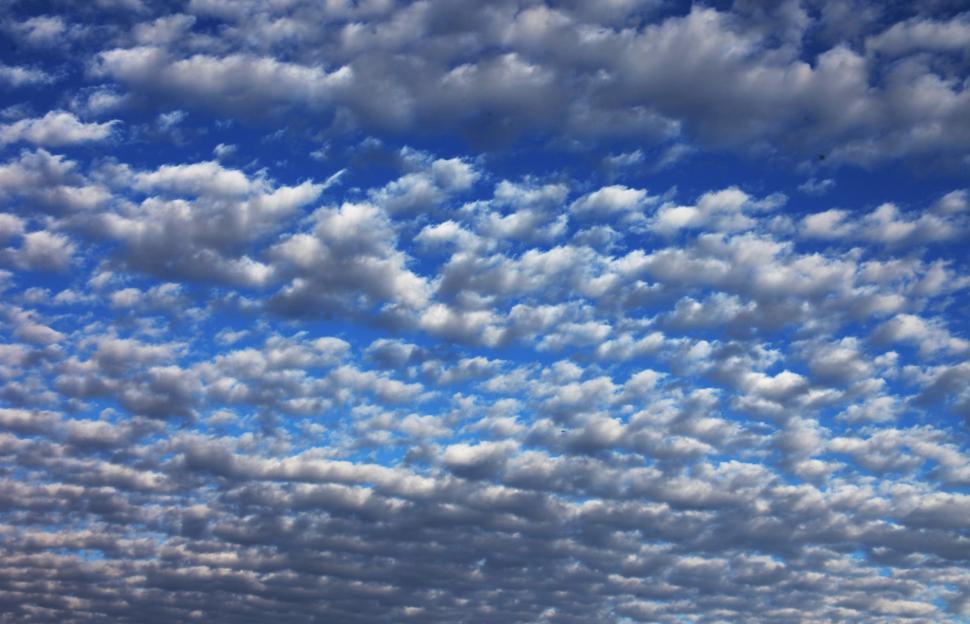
511, 311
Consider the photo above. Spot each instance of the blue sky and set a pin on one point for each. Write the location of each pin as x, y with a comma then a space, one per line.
619, 311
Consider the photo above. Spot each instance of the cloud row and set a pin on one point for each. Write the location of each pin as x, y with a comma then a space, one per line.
794, 81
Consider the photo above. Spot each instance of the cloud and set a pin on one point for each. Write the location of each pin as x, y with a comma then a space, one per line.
724, 210
425, 190
45, 251
49, 183
240, 82
203, 221
55, 129
814, 186
610, 200
888, 225
924, 35
929, 336
10, 226
17, 76
349, 253
39, 30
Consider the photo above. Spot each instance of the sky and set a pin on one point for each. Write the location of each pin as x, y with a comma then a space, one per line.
517, 311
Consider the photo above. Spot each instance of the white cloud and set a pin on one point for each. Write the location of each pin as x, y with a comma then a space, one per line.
39, 30
17, 76
920, 34
723, 210
203, 230
611, 200
814, 186
349, 253
44, 250
55, 129
929, 336
888, 225
10, 226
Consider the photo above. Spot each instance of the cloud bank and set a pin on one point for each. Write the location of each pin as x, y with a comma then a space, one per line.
505, 312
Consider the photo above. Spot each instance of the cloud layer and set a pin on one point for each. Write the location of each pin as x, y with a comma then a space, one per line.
368, 312
753, 79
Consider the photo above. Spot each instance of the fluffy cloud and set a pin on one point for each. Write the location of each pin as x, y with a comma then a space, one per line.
610, 200
349, 255
56, 128
242, 83
44, 250
18, 76
203, 221
48, 182
721, 210
888, 225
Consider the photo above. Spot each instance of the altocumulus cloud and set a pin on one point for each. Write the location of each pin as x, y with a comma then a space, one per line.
377, 311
